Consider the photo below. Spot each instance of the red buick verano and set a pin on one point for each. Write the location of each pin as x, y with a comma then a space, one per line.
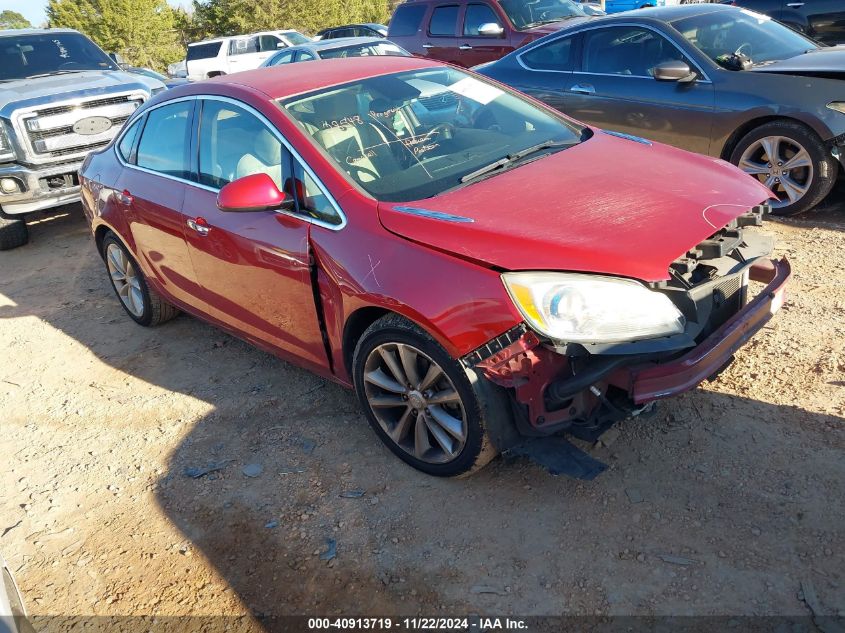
479, 267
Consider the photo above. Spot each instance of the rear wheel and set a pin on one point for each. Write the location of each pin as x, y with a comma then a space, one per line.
789, 159
13, 232
144, 305
419, 400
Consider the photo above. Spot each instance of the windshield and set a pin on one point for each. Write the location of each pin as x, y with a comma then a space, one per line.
364, 50
295, 39
526, 14
412, 135
759, 37
25, 56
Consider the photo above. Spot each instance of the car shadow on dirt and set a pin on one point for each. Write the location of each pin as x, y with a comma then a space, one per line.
719, 503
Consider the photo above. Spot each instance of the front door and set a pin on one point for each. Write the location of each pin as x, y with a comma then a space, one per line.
614, 89
477, 43
440, 40
152, 192
254, 266
825, 19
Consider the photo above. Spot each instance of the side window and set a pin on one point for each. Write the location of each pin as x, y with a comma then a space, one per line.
443, 20
627, 50
476, 15
127, 143
233, 143
406, 19
282, 58
270, 43
165, 140
243, 45
311, 201
556, 55
305, 56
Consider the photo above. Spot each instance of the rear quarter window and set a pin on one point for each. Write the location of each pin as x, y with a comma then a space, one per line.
406, 19
204, 51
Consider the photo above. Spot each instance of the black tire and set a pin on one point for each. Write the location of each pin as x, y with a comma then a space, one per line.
13, 232
478, 449
825, 167
156, 310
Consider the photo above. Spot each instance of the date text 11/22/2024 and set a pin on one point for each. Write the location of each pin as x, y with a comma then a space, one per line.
475, 623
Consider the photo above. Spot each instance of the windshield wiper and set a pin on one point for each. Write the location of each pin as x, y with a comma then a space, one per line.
510, 159
56, 72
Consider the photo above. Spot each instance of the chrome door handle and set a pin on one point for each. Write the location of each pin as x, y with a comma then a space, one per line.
464, 47
583, 89
199, 228
428, 45
795, 5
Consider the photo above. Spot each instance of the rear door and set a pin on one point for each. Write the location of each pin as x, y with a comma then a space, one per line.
545, 71
441, 37
476, 47
244, 53
614, 88
152, 190
253, 267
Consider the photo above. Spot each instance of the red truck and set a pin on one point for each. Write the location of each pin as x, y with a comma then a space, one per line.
472, 32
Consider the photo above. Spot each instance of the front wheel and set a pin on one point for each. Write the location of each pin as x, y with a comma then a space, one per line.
419, 400
13, 232
789, 159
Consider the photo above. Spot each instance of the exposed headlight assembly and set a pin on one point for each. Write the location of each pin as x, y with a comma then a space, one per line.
839, 106
6, 150
577, 308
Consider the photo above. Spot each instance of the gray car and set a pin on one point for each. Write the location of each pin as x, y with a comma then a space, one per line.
710, 78
332, 48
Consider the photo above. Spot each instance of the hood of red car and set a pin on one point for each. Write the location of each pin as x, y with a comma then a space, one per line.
609, 205
554, 27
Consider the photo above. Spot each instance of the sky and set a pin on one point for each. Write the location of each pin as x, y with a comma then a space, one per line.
35, 10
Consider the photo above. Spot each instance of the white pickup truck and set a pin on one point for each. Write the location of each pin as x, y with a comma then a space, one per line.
231, 54
61, 97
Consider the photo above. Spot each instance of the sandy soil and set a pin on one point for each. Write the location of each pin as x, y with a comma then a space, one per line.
723, 502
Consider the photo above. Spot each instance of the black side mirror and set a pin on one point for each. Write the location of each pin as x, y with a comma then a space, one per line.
674, 71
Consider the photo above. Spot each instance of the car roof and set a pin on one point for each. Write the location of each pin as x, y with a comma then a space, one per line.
279, 82
225, 38
8, 32
339, 42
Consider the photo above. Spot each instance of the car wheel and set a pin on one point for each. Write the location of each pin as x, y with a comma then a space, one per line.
789, 159
419, 399
13, 232
144, 305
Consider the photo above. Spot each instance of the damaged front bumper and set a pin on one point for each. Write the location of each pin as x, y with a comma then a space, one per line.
553, 391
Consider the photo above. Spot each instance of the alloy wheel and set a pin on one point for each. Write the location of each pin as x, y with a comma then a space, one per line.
782, 164
126, 280
415, 403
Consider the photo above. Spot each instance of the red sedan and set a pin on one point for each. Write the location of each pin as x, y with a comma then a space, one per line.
477, 266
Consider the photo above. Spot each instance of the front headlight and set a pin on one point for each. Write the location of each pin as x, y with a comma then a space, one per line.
577, 308
839, 106
6, 150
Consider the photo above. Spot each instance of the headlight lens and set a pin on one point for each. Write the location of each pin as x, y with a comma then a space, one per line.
6, 151
839, 106
592, 309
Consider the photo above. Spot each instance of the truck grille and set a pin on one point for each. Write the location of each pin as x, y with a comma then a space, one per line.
72, 129
439, 101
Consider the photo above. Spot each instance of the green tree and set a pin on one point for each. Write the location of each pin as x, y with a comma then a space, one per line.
13, 20
228, 17
142, 31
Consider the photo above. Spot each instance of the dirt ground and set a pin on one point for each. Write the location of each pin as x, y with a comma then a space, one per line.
722, 503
